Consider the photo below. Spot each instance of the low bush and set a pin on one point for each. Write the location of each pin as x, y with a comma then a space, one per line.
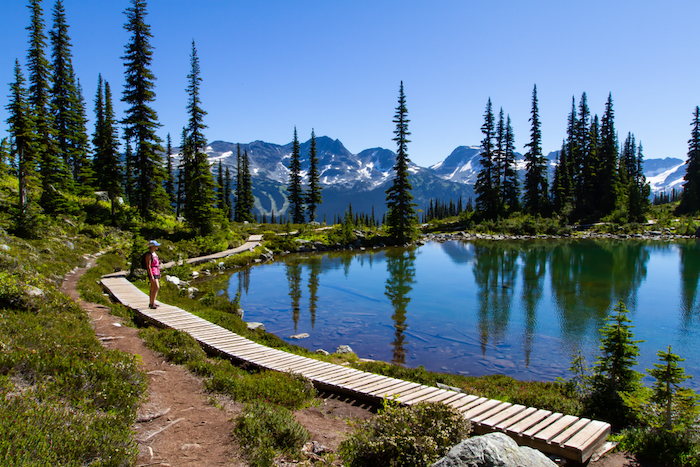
679, 448
405, 436
265, 432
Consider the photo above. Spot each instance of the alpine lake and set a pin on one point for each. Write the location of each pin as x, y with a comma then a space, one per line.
520, 308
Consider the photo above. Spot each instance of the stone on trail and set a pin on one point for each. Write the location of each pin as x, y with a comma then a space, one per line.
323, 352
493, 450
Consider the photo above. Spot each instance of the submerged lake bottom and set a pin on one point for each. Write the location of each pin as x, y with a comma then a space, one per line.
519, 308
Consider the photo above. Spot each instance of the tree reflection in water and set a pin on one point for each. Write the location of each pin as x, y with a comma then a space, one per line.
401, 270
293, 272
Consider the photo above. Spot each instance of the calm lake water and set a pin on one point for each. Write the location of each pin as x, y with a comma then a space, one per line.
520, 308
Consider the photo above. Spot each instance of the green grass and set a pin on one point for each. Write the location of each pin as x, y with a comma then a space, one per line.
64, 399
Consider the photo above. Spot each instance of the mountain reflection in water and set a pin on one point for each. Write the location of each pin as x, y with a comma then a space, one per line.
521, 308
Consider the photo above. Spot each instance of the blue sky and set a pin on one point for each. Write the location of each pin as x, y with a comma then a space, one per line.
334, 66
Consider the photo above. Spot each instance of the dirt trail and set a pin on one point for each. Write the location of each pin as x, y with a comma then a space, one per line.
179, 424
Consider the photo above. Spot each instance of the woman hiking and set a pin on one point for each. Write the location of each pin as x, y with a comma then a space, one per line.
153, 269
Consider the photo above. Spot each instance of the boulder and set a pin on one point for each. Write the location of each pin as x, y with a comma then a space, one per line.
302, 335
253, 326
4, 247
343, 349
173, 280
323, 352
493, 450
34, 291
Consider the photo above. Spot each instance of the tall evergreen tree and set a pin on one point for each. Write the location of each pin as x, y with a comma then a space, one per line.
220, 198
169, 176
141, 120
21, 130
129, 187
199, 181
562, 186
110, 172
639, 190
536, 186
401, 214
80, 146
313, 197
296, 198
227, 194
486, 186
607, 186
580, 156
238, 198
54, 174
511, 185
690, 198
247, 198
5, 155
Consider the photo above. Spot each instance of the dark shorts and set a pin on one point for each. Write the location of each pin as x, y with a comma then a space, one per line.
156, 276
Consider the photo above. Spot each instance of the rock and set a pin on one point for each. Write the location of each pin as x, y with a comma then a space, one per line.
173, 280
343, 349
4, 247
314, 447
195, 274
493, 450
34, 291
253, 326
302, 335
323, 352
191, 291
448, 388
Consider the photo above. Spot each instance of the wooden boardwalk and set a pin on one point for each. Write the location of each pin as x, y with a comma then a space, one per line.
554, 433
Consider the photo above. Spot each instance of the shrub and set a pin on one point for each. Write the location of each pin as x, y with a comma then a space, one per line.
680, 448
176, 346
265, 431
405, 436
283, 389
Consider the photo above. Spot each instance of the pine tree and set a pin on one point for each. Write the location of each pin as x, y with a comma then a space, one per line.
583, 166
313, 197
562, 186
21, 130
607, 186
248, 200
55, 178
511, 185
535, 193
5, 155
141, 120
238, 215
83, 175
669, 393
690, 198
296, 198
110, 174
169, 176
227, 194
613, 371
401, 214
487, 179
220, 201
128, 169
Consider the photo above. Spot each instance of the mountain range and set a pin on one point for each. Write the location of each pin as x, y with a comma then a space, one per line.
362, 179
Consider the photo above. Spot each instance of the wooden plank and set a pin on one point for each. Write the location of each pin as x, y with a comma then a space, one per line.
585, 449
358, 379
477, 414
379, 385
435, 396
394, 389
408, 396
519, 428
553, 429
329, 373
474, 403
462, 401
503, 415
570, 432
515, 419
504, 406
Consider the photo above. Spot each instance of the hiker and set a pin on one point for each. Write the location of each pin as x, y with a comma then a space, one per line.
153, 269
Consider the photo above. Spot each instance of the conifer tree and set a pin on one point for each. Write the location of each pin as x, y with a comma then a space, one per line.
83, 174
613, 371
296, 198
401, 214
141, 120
562, 186
227, 194
5, 155
111, 171
199, 181
313, 197
128, 169
238, 198
511, 185
487, 179
669, 393
169, 176
55, 178
536, 186
248, 200
67, 107
21, 130
608, 176
220, 202
581, 158
690, 198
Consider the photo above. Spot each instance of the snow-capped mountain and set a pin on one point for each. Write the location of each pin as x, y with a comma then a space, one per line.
362, 179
